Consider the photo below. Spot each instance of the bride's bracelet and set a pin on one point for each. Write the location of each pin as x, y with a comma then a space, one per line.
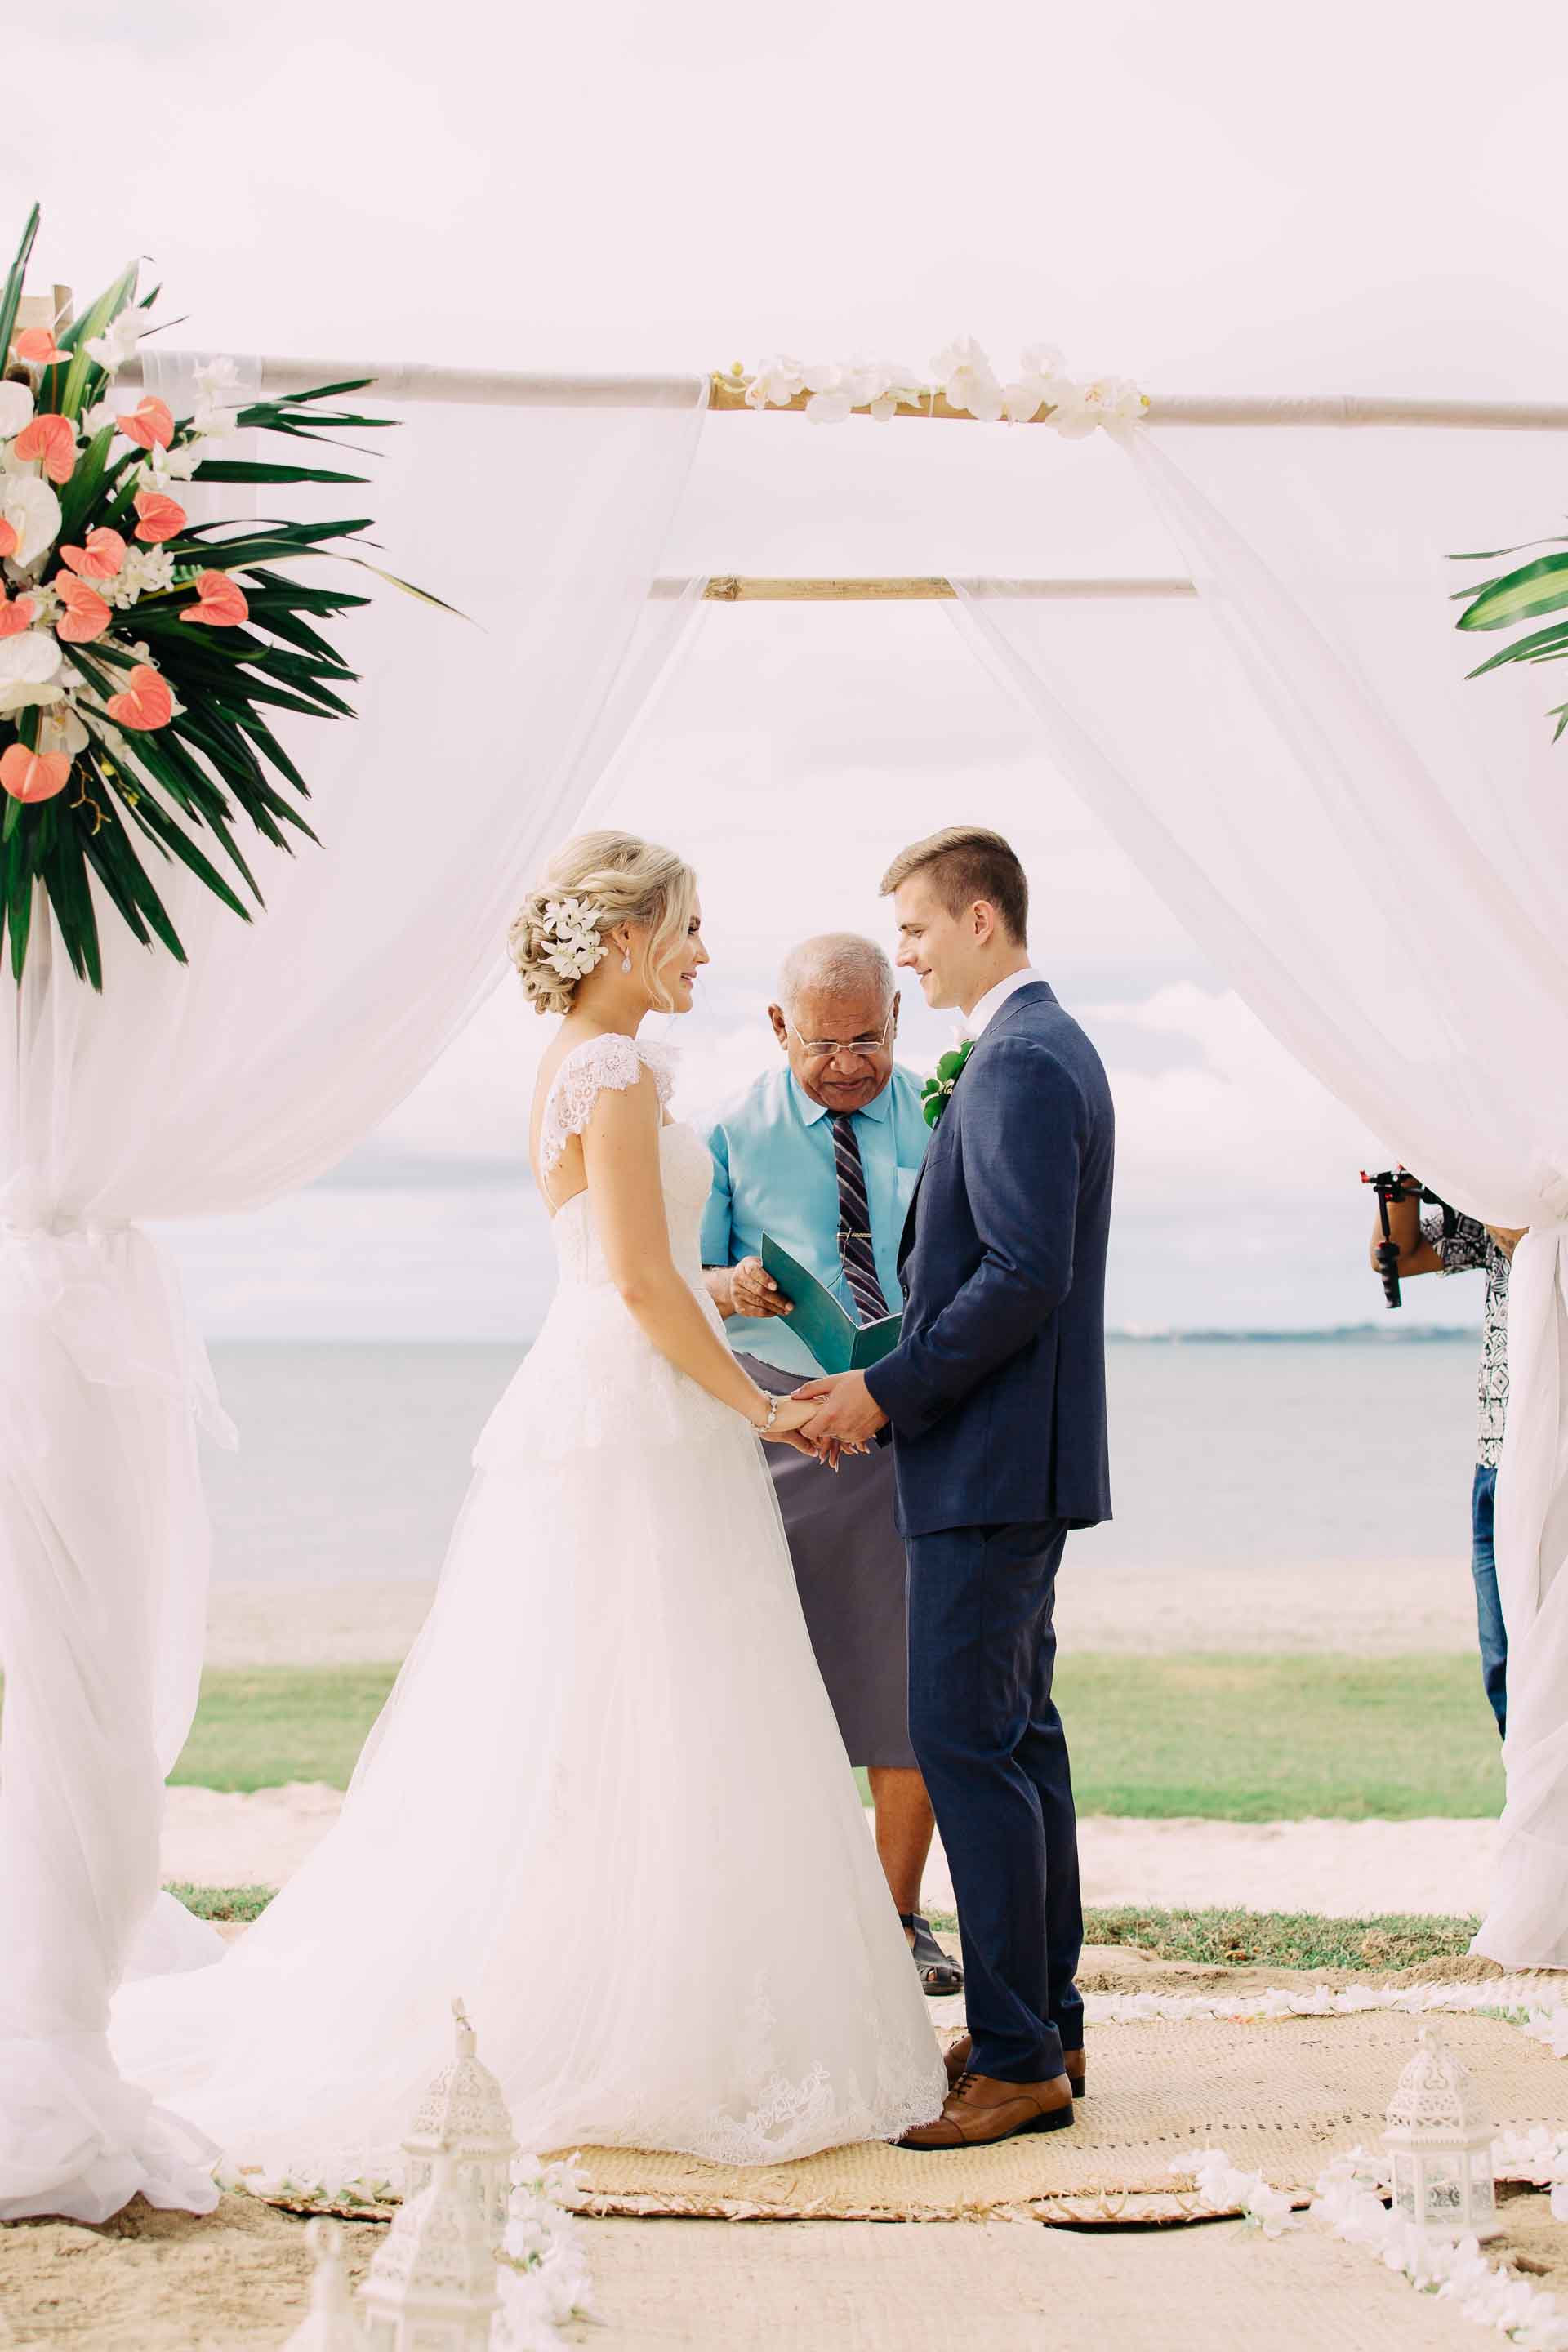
763, 1427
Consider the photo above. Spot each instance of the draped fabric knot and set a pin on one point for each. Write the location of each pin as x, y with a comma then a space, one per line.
29, 1209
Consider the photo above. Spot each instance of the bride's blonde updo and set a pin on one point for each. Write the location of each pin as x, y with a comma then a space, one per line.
592, 884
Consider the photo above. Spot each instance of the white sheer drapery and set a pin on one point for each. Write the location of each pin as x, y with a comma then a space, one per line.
1375, 854
215, 1088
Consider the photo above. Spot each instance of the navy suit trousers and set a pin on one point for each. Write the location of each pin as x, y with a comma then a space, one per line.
990, 1743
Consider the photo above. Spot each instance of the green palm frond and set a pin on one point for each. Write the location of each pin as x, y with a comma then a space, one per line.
1522, 594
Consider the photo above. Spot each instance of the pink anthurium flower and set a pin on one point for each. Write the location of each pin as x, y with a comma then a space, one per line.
51, 438
222, 605
145, 702
100, 559
9, 539
86, 614
37, 346
15, 615
150, 423
34, 775
159, 517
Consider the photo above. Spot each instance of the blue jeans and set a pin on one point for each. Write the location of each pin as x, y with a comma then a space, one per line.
989, 1740
1489, 1610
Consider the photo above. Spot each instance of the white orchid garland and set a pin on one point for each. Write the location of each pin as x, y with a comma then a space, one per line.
542, 2276
1517, 1999
965, 379
1224, 2188
1348, 2200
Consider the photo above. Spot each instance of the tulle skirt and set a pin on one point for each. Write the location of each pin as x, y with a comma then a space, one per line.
608, 1805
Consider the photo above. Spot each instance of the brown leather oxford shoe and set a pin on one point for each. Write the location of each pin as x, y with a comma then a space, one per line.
979, 2111
955, 2058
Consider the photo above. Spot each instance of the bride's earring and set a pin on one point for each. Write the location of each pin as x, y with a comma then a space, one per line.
626, 961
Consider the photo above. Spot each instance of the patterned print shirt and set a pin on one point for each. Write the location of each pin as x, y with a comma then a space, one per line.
1472, 1245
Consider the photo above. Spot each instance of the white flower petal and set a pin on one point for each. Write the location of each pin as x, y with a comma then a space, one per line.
16, 409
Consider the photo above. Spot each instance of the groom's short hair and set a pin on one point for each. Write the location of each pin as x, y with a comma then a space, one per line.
964, 863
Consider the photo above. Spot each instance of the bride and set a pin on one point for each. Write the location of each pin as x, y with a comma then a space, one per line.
607, 1786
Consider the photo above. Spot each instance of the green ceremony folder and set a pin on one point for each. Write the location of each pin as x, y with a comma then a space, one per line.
833, 1338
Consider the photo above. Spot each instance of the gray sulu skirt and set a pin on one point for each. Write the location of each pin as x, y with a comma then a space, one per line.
852, 1577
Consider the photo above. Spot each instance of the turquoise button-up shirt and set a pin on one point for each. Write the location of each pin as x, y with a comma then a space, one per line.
773, 1172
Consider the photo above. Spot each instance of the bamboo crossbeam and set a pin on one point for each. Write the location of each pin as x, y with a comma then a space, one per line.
401, 381
731, 588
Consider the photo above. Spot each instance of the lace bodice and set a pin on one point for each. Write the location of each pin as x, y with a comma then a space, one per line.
593, 1379
684, 1159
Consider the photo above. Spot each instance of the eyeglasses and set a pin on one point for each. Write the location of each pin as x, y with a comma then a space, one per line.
824, 1049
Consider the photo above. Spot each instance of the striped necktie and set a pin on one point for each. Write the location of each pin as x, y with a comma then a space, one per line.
854, 1222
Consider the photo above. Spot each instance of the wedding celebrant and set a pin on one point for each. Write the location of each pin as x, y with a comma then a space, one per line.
822, 1155
995, 1396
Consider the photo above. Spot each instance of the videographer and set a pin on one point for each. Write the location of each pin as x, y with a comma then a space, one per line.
1424, 1247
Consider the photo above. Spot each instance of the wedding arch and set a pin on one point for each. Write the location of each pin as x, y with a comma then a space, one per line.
1374, 855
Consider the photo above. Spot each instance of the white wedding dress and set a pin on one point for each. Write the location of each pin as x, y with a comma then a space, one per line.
607, 1803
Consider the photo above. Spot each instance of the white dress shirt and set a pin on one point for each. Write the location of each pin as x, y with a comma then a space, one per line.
978, 1019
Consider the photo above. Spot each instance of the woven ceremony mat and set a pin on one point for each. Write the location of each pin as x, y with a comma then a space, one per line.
1283, 2096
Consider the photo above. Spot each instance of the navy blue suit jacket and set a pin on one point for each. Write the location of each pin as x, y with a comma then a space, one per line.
996, 1389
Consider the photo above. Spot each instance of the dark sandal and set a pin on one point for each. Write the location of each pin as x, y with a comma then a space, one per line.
939, 1974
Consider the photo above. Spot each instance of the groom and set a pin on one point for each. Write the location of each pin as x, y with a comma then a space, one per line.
995, 1395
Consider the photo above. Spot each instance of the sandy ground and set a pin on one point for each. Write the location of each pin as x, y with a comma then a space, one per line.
1338, 1868
1369, 1609
238, 2281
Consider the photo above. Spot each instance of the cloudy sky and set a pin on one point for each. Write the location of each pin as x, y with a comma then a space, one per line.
1218, 196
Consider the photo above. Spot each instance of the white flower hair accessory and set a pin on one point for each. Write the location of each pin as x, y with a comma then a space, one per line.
571, 928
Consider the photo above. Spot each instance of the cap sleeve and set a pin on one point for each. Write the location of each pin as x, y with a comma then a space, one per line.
599, 1062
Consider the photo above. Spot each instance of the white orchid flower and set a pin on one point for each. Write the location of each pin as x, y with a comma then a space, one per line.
215, 424
60, 729
29, 505
165, 466
1113, 400
218, 379
146, 572
29, 669
16, 409
830, 406
968, 380
118, 340
775, 383
1024, 399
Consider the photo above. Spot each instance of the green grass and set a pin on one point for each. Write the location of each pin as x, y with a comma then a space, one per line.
1223, 1739
257, 1726
245, 1903
1282, 1939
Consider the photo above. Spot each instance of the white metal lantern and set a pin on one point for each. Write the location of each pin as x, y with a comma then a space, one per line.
330, 2325
432, 2285
1441, 2143
463, 2110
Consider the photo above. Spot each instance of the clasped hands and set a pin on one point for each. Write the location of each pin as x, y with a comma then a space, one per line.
848, 1416
844, 1418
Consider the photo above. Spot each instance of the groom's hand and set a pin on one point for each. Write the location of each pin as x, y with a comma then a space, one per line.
848, 1414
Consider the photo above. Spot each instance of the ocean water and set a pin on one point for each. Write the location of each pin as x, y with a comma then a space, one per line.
1225, 1451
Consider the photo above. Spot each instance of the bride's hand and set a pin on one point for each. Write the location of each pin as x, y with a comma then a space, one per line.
793, 1414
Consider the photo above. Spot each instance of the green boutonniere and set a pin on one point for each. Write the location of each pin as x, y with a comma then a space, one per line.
936, 1093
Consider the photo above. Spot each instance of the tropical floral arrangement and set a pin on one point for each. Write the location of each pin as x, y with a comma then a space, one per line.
1523, 594
144, 656
962, 378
